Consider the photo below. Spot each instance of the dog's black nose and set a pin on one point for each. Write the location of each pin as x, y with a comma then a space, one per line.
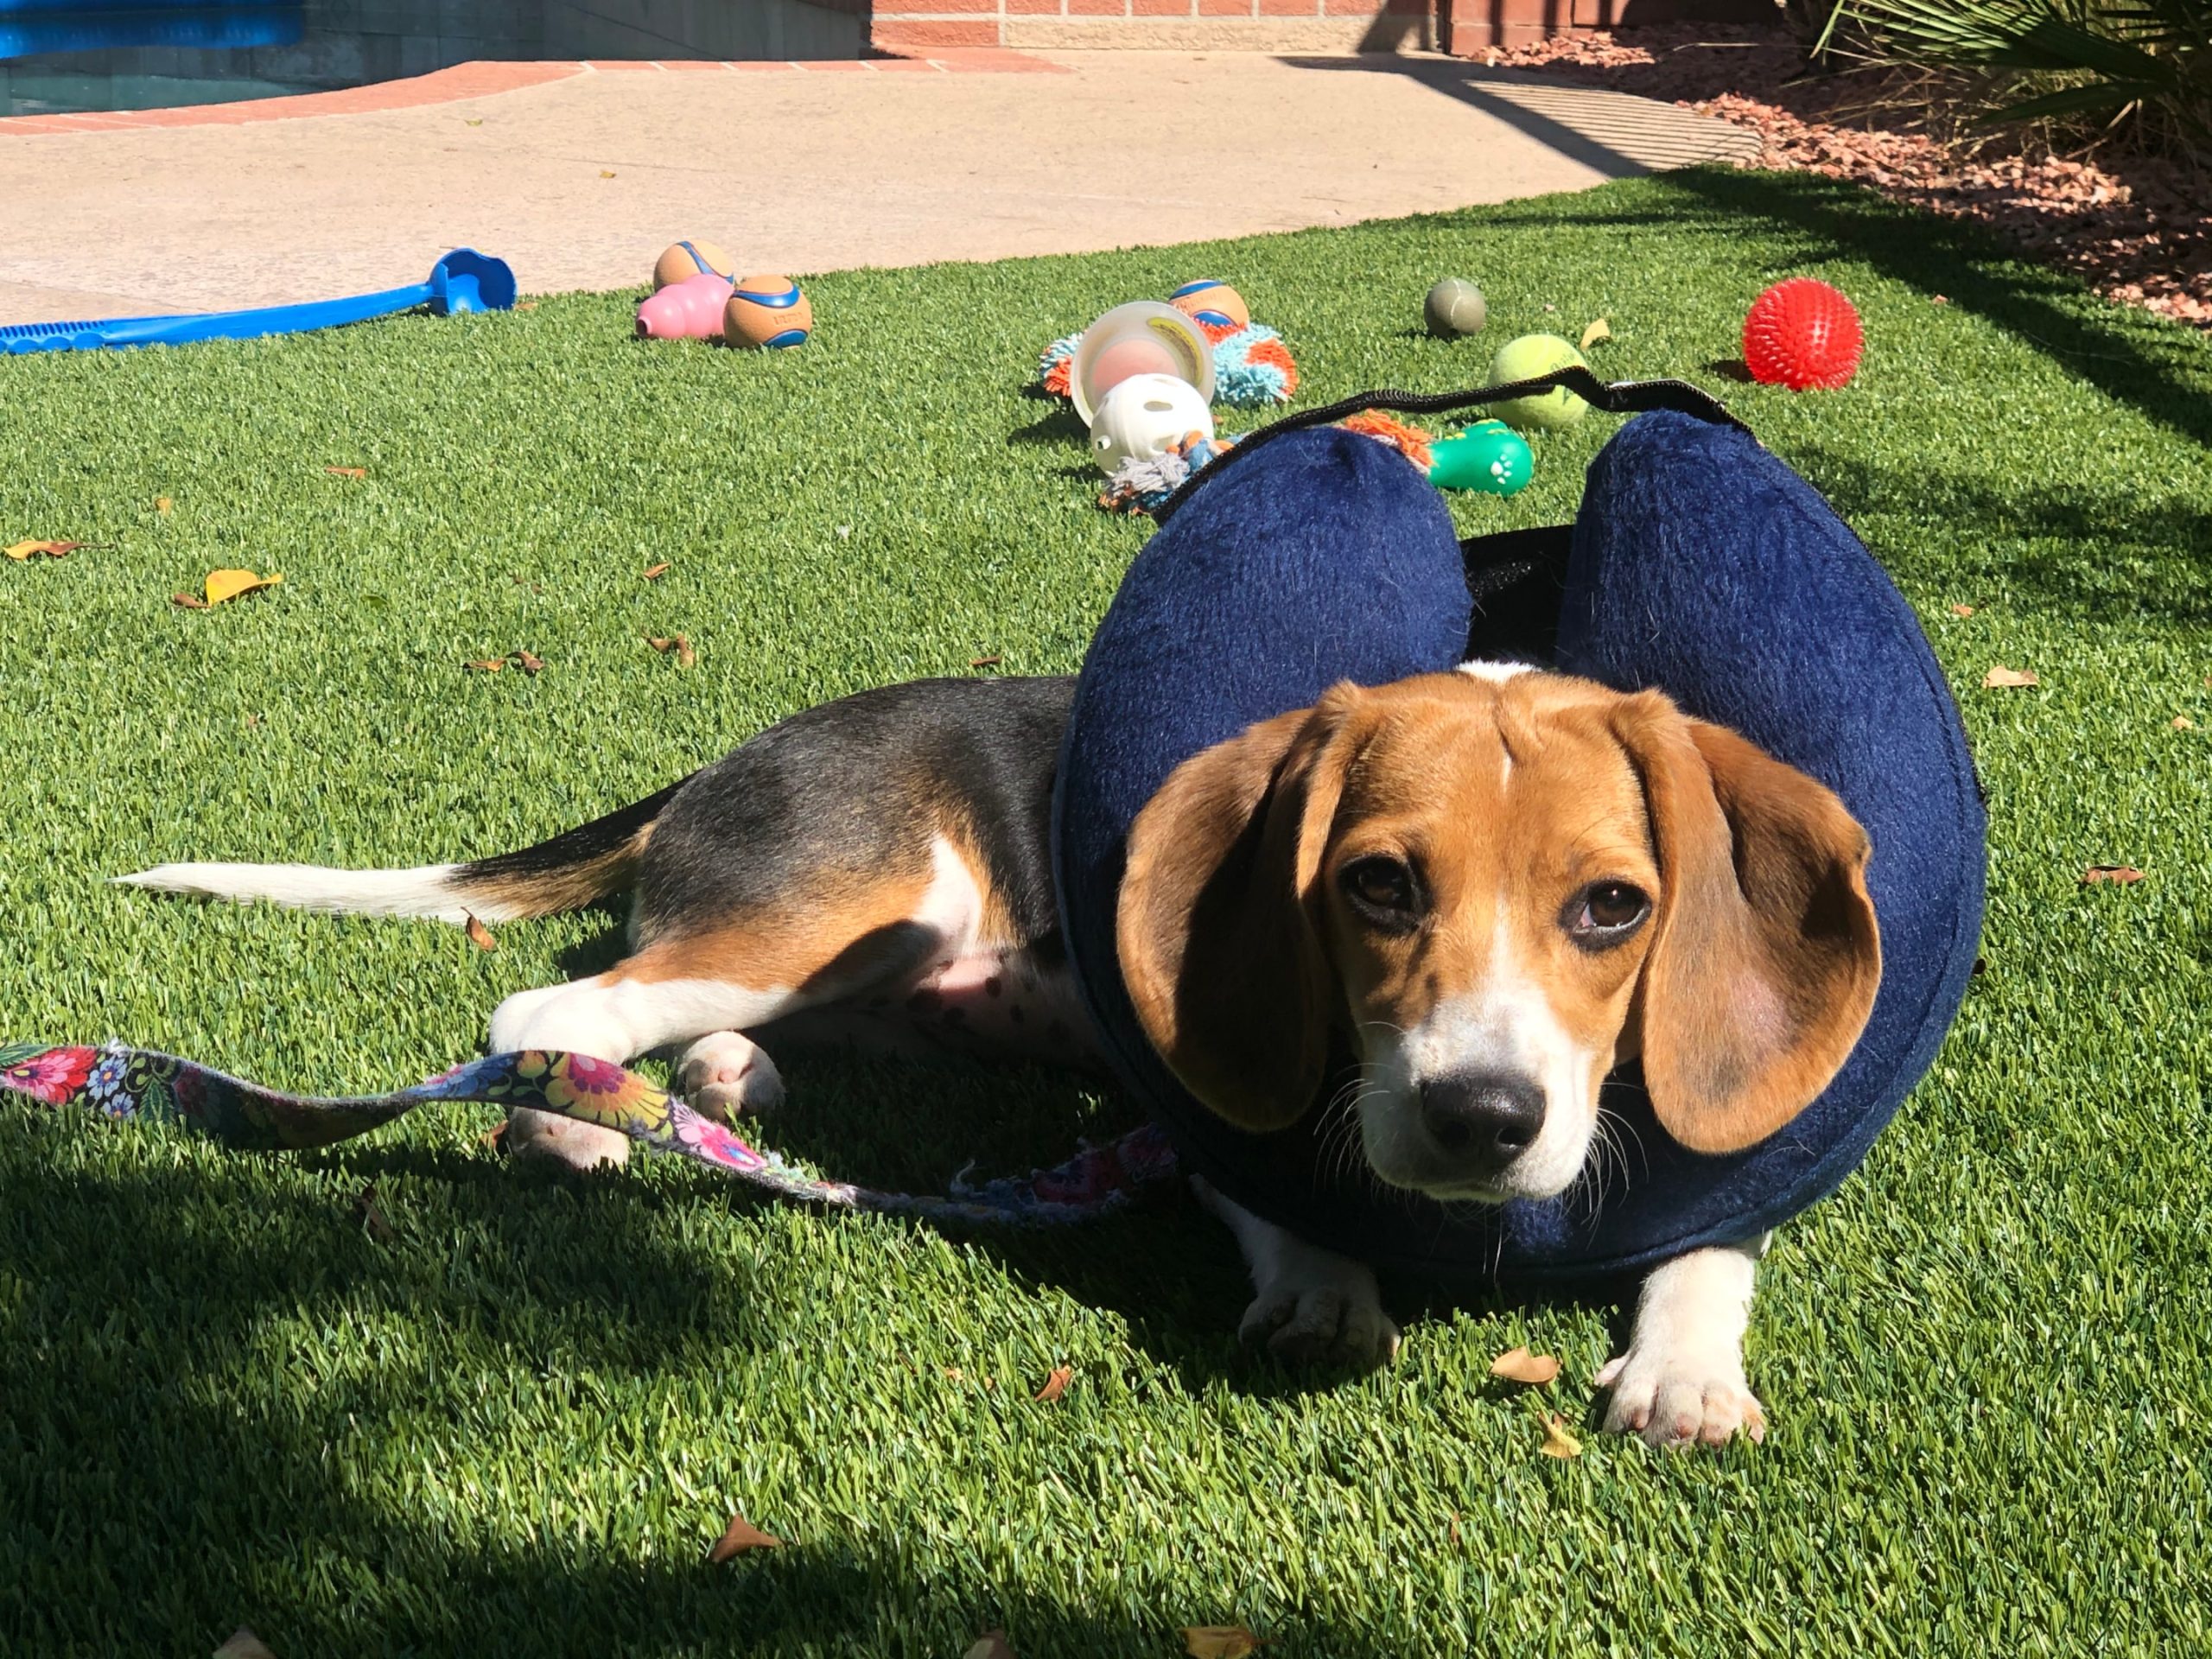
1489, 1117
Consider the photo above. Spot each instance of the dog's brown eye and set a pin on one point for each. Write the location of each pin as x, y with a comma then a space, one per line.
1383, 889
1605, 912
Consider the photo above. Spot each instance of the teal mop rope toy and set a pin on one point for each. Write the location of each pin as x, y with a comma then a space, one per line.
116, 1081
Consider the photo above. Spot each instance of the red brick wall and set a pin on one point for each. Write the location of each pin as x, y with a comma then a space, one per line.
906, 26
1469, 26
1464, 27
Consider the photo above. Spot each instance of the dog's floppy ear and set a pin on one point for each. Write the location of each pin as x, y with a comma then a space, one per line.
1766, 956
1218, 941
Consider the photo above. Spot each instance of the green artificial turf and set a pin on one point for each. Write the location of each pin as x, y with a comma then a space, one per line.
516, 1425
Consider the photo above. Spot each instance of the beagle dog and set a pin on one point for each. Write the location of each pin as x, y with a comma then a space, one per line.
1491, 886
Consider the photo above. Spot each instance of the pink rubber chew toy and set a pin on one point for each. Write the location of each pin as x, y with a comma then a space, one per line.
690, 309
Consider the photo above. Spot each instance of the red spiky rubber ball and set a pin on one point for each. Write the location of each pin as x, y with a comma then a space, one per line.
1802, 334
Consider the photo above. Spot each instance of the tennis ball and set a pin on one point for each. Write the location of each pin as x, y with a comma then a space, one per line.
1525, 358
1455, 305
1207, 301
694, 258
767, 311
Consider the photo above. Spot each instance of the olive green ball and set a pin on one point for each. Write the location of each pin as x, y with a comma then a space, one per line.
1455, 305
1525, 358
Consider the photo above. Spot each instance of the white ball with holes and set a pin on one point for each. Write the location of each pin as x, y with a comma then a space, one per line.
1144, 416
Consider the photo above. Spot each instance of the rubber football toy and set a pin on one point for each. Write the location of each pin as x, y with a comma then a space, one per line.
1208, 300
1802, 334
682, 260
770, 313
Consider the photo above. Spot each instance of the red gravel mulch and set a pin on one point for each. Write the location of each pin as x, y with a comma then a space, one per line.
2135, 228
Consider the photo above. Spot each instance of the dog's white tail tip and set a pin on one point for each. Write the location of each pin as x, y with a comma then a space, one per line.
429, 891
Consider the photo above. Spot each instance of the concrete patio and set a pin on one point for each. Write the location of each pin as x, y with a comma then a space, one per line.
578, 174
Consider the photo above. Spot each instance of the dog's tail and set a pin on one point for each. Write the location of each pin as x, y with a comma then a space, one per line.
575, 868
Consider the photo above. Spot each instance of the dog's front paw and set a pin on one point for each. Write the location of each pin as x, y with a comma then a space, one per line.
725, 1074
1672, 1397
548, 1141
1327, 1311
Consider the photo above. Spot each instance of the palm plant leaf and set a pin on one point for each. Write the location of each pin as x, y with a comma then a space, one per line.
2096, 96
2112, 54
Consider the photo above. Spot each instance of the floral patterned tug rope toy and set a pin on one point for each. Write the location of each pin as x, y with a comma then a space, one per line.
115, 1081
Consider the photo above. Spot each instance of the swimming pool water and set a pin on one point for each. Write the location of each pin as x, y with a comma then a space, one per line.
65, 56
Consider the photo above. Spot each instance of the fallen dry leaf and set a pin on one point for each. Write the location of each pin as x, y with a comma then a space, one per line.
606, 172
1057, 1383
245, 1644
953, 1373
1218, 1641
2184, 723
676, 642
372, 1215
1597, 331
347, 472
656, 570
1939, 299
188, 601
474, 121
1519, 1365
528, 662
991, 1644
1453, 1530
1961, 610
20, 550
2122, 875
525, 305
229, 584
487, 665
2000, 676
1558, 1443
984, 662
739, 1537
163, 504
495, 1138
481, 936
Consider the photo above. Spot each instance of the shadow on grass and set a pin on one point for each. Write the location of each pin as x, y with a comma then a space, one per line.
601, 950
187, 1376
2118, 559
2157, 368
128, 1471
1061, 426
